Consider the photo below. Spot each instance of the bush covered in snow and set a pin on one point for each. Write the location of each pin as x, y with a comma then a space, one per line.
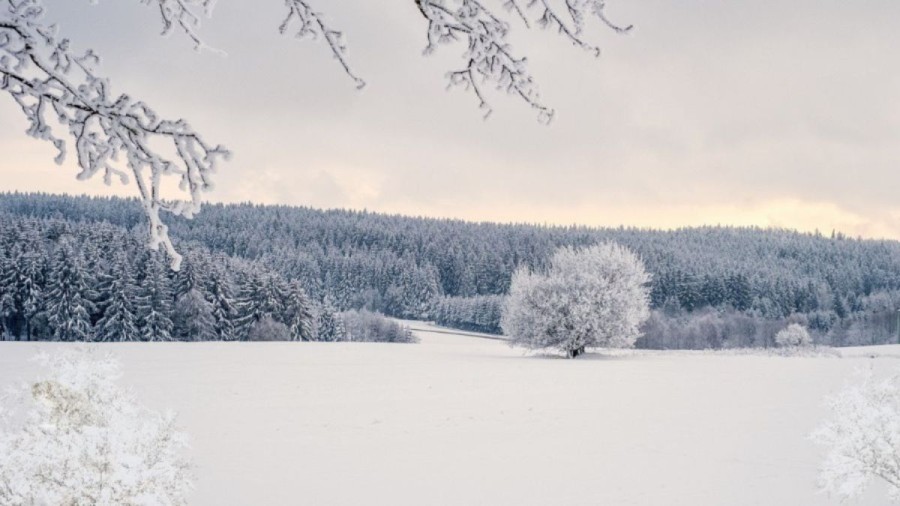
597, 296
372, 327
73, 437
863, 438
793, 335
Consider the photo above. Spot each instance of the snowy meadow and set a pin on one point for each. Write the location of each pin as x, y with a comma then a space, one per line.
459, 419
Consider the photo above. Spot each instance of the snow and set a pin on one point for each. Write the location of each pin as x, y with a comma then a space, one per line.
463, 420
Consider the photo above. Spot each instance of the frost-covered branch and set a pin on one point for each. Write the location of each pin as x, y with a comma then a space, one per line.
311, 24
48, 80
301, 19
185, 15
576, 12
489, 57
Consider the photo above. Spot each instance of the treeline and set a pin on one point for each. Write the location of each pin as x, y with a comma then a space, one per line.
406, 267
480, 313
78, 281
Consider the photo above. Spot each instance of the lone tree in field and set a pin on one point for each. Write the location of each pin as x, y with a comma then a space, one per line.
863, 439
793, 336
597, 296
74, 437
59, 87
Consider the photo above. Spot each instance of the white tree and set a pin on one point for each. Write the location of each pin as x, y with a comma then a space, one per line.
863, 438
793, 335
74, 437
119, 136
597, 296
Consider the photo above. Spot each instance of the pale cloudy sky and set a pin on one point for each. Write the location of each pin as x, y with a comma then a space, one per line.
712, 112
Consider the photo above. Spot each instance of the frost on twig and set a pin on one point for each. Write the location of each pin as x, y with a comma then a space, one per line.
183, 15
116, 136
309, 23
489, 57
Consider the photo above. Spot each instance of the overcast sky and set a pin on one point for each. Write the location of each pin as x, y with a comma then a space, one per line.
767, 113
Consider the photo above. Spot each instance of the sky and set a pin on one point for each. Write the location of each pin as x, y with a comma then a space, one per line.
764, 113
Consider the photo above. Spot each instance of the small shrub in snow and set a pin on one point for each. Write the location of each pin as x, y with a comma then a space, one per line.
863, 438
73, 437
793, 335
267, 329
373, 327
596, 296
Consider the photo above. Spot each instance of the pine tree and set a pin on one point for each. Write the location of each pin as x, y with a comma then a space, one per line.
154, 302
193, 319
68, 308
119, 317
262, 295
32, 290
300, 318
223, 310
10, 303
188, 278
330, 327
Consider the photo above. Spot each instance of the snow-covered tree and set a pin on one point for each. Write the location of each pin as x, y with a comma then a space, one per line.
68, 304
267, 329
119, 321
793, 335
596, 296
193, 318
223, 306
120, 136
863, 438
154, 302
300, 317
329, 325
72, 436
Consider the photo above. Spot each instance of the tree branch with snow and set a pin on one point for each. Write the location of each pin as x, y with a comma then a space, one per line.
125, 139
116, 136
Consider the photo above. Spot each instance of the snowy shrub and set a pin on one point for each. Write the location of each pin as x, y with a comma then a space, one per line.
373, 327
792, 336
596, 296
72, 437
267, 329
863, 438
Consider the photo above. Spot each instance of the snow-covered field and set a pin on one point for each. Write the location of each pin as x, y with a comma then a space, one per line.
463, 420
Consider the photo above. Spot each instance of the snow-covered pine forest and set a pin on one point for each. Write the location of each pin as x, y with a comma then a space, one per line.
78, 266
66, 280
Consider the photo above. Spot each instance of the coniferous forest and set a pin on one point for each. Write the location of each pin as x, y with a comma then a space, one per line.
76, 268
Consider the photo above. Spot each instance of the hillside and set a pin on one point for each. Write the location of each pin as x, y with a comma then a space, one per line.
404, 266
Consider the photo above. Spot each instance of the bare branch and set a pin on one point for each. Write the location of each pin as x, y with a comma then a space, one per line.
46, 79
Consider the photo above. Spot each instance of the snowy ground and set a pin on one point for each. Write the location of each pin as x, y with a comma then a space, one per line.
463, 420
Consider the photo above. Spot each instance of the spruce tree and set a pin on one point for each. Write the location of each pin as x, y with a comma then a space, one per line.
154, 301
300, 318
193, 319
119, 320
68, 308
330, 326
223, 306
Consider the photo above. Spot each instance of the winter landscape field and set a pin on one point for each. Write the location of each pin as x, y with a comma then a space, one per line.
464, 420
449, 252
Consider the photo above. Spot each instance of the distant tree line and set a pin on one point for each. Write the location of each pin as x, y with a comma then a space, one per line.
844, 290
75, 281
480, 313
